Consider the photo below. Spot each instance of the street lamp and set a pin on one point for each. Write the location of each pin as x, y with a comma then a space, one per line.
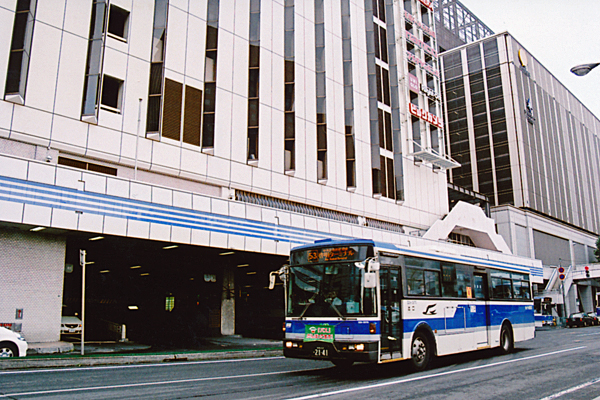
583, 69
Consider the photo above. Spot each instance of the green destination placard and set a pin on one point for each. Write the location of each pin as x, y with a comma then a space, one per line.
321, 333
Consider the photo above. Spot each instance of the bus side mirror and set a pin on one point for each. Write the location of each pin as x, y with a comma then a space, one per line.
272, 277
281, 272
370, 280
373, 265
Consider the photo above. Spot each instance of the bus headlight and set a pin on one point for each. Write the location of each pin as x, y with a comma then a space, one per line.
288, 345
372, 328
360, 347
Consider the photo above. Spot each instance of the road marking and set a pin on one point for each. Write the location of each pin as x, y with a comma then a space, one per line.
590, 334
418, 378
573, 389
162, 364
132, 385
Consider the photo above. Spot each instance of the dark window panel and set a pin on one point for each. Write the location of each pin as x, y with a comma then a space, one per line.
192, 115
111, 92
172, 110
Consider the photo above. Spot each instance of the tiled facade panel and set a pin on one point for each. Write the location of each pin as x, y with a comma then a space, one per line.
39, 281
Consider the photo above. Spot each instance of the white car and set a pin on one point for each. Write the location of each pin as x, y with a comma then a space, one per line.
12, 344
70, 324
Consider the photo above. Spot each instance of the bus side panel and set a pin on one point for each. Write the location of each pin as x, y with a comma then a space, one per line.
520, 316
460, 325
453, 323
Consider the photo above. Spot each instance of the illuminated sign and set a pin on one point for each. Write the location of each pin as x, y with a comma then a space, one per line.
413, 83
416, 60
331, 254
425, 115
415, 21
429, 92
415, 40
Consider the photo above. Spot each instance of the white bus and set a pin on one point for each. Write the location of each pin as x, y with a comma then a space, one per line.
364, 301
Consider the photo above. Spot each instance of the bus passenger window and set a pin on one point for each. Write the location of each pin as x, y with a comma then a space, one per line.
463, 281
432, 283
415, 282
449, 281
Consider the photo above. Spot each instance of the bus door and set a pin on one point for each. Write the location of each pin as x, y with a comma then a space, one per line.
391, 321
480, 309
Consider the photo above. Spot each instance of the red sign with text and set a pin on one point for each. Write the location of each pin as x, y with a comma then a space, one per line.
425, 115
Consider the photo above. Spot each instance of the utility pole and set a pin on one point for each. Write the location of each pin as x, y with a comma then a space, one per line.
82, 261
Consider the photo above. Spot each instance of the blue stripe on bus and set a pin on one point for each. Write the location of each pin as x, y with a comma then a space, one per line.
515, 313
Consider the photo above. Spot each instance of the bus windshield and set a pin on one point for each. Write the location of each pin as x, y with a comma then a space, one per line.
329, 290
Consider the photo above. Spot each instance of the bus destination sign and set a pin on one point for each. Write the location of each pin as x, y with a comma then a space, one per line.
331, 254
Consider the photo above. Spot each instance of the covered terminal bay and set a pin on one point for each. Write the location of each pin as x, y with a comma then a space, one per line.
169, 295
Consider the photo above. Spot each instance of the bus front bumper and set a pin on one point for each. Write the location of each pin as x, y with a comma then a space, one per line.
354, 351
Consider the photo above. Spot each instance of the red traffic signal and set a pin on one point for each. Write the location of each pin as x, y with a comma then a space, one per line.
587, 271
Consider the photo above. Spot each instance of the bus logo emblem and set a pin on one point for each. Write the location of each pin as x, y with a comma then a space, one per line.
430, 310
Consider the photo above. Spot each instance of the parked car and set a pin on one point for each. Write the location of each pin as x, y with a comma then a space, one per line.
12, 344
70, 324
594, 316
579, 319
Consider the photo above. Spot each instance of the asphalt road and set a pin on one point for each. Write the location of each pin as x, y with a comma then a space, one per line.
559, 363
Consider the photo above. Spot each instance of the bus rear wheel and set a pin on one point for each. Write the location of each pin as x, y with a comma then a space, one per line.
507, 343
420, 353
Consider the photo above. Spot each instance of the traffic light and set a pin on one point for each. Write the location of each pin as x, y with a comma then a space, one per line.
587, 271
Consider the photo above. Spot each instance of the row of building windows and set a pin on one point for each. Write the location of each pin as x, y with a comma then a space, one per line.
486, 102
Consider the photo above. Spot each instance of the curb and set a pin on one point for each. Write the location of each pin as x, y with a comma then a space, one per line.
83, 361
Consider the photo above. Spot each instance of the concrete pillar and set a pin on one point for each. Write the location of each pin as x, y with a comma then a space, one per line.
586, 298
228, 303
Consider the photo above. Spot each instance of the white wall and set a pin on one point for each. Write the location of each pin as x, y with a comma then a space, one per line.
31, 269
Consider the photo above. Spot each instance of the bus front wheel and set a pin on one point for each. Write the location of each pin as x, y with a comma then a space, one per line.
420, 351
506, 340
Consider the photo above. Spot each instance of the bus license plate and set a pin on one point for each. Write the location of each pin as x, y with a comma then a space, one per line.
320, 352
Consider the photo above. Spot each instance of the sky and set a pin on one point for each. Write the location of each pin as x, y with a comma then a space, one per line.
558, 33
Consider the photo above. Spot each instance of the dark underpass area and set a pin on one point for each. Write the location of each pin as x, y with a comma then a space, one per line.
169, 295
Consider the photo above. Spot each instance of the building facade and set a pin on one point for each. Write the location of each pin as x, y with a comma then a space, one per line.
526, 143
186, 146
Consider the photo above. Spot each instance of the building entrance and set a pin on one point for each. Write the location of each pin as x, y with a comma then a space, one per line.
170, 295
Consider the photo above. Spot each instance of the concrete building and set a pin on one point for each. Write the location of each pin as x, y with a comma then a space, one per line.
526, 143
186, 146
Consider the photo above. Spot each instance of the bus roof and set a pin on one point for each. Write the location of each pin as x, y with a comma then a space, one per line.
492, 259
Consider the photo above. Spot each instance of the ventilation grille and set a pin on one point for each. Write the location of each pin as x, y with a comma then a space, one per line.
299, 208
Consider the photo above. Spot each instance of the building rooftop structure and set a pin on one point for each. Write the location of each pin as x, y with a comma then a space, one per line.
456, 25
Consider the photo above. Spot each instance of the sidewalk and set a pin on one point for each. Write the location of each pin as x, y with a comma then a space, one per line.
63, 354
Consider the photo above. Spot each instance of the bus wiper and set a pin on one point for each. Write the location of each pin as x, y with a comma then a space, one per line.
305, 308
337, 311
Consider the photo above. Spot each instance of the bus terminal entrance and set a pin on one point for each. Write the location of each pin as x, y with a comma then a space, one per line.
170, 295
